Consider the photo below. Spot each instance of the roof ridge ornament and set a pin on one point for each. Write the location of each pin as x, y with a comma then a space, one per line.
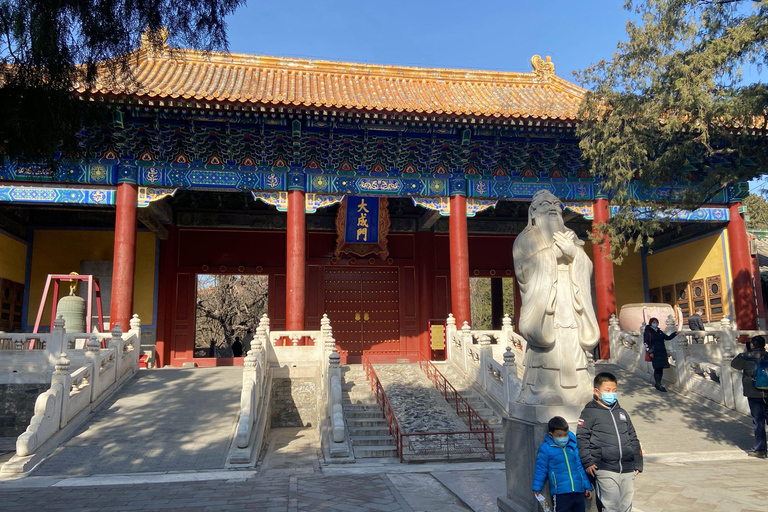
154, 42
543, 71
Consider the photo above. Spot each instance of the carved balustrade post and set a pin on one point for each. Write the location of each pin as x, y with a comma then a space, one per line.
682, 361
506, 330
614, 331
93, 356
486, 356
116, 342
337, 410
61, 376
730, 379
512, 384
450, 331
466, 344
58, 344
265, 322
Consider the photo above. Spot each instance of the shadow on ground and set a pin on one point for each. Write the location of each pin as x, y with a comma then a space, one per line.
163, 420
670, 422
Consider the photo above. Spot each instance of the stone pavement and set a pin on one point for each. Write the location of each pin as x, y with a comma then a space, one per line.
675, 428
726, 486
694, 451
164, 420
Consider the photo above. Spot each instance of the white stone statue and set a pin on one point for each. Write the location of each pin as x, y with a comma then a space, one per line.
556, 316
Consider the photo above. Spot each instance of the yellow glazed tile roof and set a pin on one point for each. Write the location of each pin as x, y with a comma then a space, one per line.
189, 75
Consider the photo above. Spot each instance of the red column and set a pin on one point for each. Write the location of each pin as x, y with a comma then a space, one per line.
741, 270
296, 262
604, 284
124, 259
758, 289
425, 257
459, 253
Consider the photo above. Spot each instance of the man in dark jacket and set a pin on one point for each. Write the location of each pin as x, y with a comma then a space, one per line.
756, 397
695, 323
608, 445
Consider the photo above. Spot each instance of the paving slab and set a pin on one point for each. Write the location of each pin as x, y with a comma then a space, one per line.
478, 489
425, 493
732, 486
164, 420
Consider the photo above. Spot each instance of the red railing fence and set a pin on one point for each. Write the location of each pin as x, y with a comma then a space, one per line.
386, 408
477, 425
423, 445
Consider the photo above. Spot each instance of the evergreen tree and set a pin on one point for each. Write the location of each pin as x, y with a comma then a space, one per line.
757, 211
672, 108
49, 48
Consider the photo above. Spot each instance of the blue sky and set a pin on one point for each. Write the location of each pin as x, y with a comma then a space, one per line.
486, 34
482, 34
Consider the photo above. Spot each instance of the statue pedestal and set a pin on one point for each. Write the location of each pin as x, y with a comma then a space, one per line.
524, 432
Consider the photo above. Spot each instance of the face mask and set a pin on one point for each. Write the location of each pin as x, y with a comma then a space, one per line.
654, 325
609, 398
562, 442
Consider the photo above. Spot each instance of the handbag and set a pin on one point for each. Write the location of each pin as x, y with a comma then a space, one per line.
647, 355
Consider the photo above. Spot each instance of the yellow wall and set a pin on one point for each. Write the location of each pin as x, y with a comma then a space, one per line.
61, 251
13, 259
694, 260
628, 279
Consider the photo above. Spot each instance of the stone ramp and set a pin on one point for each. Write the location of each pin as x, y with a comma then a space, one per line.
677, 428
163, 420
420, 408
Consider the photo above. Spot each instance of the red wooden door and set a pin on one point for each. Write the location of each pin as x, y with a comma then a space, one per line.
363, 308
343, 305
381, 311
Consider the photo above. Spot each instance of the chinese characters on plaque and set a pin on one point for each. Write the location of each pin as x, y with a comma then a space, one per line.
362, 225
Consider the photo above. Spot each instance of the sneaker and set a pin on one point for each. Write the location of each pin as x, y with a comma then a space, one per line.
759, 455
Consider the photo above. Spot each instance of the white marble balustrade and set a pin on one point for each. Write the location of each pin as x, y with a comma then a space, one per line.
700, 361
488, 359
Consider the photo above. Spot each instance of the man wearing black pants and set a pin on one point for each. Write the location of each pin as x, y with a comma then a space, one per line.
757, 398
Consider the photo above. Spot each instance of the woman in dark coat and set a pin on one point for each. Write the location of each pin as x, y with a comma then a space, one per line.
654, 339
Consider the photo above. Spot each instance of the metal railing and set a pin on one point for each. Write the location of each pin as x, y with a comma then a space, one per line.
477, 425
426, 445
386, 408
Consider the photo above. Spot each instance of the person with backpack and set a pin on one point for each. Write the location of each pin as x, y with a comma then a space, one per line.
559, 462
754, 380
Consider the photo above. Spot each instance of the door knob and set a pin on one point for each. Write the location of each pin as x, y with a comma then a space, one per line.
365, 316
357, 316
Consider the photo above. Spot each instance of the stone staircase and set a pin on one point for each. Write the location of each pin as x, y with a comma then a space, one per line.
478, 403
368, 430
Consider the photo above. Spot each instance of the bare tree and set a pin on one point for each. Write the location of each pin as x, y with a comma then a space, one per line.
227, 306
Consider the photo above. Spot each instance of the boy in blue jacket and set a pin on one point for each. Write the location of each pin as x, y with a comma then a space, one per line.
559, 461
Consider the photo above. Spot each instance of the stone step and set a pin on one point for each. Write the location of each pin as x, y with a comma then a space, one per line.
357, 377
368, 431
362, 407
357, 392
368, 452
367, 422
354, 397
359, 415
359, 400
378, 440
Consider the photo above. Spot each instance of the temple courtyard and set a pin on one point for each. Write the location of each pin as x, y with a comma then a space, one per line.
136, 456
